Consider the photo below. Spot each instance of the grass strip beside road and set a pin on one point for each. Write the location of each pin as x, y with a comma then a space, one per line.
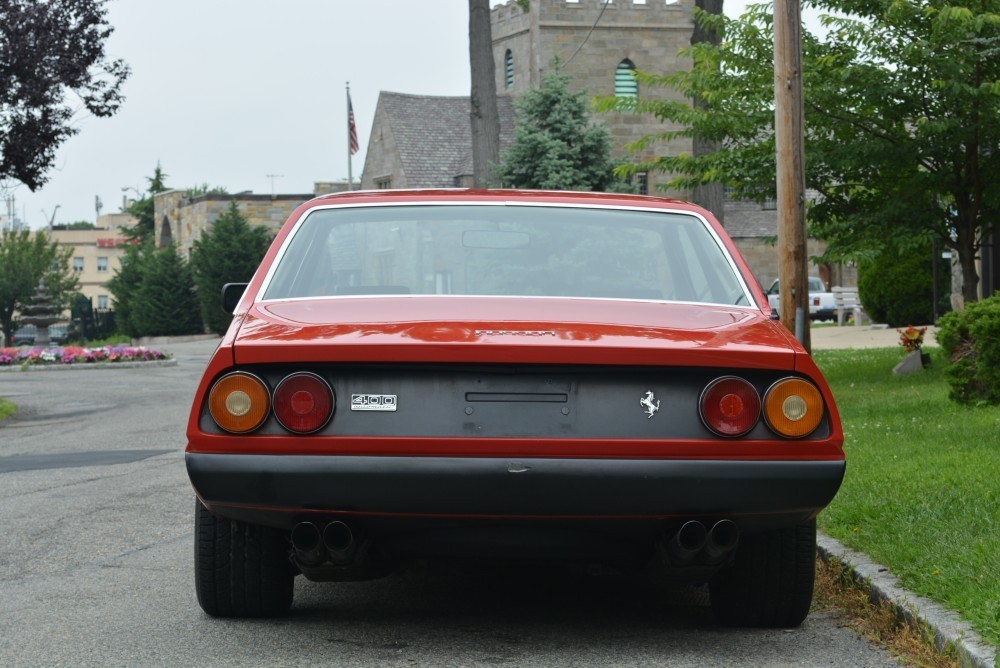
6, 408
922, 492
879, 622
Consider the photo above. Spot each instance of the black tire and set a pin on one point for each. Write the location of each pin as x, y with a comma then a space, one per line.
240, 569
770, 583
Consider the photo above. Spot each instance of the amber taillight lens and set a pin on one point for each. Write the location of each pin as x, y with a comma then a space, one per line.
730, 406
239, 402
793, 407
303, 403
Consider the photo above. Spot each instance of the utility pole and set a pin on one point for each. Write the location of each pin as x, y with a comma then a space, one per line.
789, 142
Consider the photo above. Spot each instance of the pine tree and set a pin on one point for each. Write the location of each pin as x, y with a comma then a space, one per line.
555, 146
124, 284
229, 252
164, 303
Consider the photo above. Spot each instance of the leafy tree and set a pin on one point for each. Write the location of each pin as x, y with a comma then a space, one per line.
51, 60
25, 259
555, 146
125, 284
902, 121
164, 303
484, 113
145, 228
228, 252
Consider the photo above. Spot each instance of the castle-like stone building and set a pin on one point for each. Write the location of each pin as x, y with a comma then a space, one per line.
426, 142
181, 218
420, 141
599, 45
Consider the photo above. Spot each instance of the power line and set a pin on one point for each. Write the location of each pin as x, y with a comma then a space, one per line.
589, 33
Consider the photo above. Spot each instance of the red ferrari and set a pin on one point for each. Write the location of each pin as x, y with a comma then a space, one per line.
583, 376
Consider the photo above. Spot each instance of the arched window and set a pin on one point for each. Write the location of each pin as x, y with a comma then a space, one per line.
508, 69
166, 234
625, 83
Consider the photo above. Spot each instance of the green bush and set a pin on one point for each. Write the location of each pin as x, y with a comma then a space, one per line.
898, 287
971, 339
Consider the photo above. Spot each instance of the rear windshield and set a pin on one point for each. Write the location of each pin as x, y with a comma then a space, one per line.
543, 251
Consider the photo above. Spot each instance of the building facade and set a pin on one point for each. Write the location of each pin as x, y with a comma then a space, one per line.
97, 255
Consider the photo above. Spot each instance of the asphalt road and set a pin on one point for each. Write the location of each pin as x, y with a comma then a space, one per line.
96, 549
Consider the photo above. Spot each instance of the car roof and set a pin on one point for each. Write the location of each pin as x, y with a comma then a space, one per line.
507, 195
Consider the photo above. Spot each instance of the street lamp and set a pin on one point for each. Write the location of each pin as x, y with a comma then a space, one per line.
52, 218
125, 189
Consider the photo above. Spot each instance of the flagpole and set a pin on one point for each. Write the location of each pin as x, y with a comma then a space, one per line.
350, 184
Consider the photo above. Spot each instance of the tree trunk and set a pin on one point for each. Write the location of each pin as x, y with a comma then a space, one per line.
484, 115
709, 196
966, 246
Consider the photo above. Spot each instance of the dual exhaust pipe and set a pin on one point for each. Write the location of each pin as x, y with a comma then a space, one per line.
693, 543
314, 546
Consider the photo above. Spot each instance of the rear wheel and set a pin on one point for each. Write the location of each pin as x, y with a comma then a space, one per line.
770, 582
240, 569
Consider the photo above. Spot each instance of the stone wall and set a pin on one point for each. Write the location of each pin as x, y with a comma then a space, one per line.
180, 220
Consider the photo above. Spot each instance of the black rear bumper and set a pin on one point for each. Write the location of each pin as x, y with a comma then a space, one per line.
279, 490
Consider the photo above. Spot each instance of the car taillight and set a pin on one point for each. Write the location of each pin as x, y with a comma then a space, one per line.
239, 402
730, 406
303, 403
793, 407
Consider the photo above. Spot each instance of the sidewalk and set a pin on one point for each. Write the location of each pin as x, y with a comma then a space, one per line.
866, 336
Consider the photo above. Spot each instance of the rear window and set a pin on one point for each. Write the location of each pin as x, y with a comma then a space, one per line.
506, 250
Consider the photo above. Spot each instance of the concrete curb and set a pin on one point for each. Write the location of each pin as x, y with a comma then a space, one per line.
951, 635
84, 366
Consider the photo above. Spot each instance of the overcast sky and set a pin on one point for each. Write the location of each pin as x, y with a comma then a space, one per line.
225, 92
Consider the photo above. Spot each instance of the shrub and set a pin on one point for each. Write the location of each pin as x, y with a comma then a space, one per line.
898, 287
971, 339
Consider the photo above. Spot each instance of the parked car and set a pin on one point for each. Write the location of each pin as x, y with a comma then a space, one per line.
582, 376
25, 335
822, 305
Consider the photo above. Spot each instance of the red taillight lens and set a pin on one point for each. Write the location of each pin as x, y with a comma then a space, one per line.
303, 403
239, 402
730, 406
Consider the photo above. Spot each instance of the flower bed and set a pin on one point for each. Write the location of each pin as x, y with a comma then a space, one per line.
78, 355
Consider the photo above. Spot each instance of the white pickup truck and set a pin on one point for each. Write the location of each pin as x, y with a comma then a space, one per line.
821, 303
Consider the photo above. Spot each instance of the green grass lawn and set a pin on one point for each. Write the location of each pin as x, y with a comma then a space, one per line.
922, 492
6, 408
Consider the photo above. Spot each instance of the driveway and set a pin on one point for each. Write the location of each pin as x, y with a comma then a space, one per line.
96, 567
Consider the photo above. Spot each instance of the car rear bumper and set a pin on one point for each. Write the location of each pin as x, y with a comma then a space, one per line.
280, 490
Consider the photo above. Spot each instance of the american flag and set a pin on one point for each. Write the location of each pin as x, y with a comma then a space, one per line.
351, 126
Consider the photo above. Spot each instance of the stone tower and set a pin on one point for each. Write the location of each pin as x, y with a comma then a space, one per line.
597, 44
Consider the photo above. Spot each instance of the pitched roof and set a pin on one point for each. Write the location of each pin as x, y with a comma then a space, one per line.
748, 220
434, 137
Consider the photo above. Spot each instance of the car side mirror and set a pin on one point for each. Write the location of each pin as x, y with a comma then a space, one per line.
231, 294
